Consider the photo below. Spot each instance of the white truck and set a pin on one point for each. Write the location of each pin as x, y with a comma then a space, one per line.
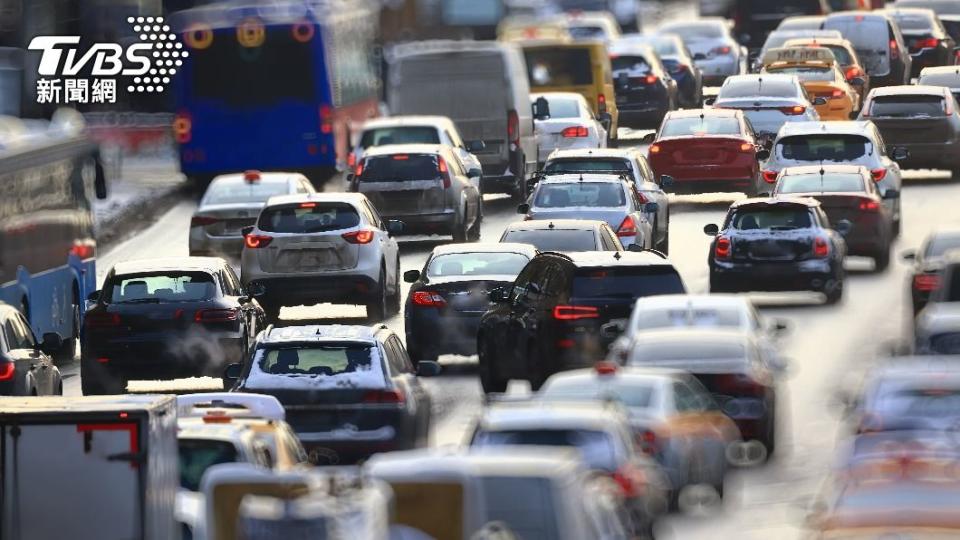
101, 468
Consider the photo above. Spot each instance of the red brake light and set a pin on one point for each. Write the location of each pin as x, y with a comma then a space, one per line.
721, 50
722, 249
928, 43
384, 396
852, 72
358, 237
400, 157
836, 94
326, 116
574, 131
869, 205
428, 299
926, 282
793, 111
7, 369
101, 320
627, 227
602, 103
215, 315
513, 128
255, 241
573, 313
650, 79
820, 248
648, 441
878, 174
444, 172
605, 368
251, 176
308, 205
359, 170
351, 159
654, 148
84, 249
182, 127
631, 481
746, 147
769, 176
894, 50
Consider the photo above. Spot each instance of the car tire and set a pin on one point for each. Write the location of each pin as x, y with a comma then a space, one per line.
489, 378
460, 232
835, 295
473, 234
393, 302
520, 191
417, 355
881, 259
271, 311
377, 304
896, 228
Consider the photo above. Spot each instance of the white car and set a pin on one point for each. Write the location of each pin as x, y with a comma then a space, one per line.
570, 124
715, 51
587, 25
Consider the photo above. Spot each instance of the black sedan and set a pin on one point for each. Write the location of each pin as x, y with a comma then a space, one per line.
644, 90
678, 62
26, 367
776, 244
930, 44
165, 318
928, 262
448, 297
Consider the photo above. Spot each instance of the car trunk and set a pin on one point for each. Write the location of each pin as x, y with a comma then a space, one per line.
840, 206
467, 296
308, 253
766, 245
906, 131
403, 184
313, 411
706, 150
228, 219
550, 132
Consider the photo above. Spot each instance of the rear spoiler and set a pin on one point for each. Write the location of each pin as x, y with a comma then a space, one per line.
261, 405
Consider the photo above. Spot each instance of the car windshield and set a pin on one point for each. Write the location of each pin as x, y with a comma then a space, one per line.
915, 106
558, 66
563, 107
700, 125
826, 183
400, 168
756, 87
580, 194
694, 31
806, 73
629, 65
554, 239
558, 166
628, 282
476, 264
244, 192
308, 217
323, 359
157, 287
771, 217
633, 394
824, 147
198, 455
940, 244
597, 447
399, 135
650, 319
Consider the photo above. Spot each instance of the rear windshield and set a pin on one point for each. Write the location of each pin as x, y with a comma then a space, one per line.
694, 31
564, 107
557, 166
477, 264
160, 287
399, 135
400, 168
756, 87
827, 183
587, 32
631, 66
823, 147
626, 282
933, 401
806, 73
525, 504
649, 319
913, 22
949, 80
597, 447
588, 194
907, 106
633, 394
243, 192
866, 33
842, 54
325, 359
663, 45
308, 217
558, 67
198, 455
777, 218
942, 243
678, 127
554, 239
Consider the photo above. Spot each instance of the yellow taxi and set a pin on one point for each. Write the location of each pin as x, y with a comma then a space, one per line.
846, 56
818, 71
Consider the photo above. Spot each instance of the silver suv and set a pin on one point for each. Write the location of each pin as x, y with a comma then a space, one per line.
322, 247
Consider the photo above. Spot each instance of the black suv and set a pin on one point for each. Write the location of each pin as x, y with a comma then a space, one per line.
550, 319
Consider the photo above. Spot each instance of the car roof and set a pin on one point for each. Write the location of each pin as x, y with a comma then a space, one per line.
940, 70
408, 120
550, 415
324, 333
576, 178
486, 247
345, 197
755, 77
908, 90
841, 127
138, 266
843, 42
707, 113
856, 14
265, 176
827, 169
390, 149
693, 301
893, 10
780, 199
563, 95
430, 464
624, 153
606, 259
558, 224
447, 46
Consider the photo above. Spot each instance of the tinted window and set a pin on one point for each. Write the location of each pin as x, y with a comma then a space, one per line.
678, 127
400, 135
597, 447
564, 108
953, 295
940, 244
400, 168
197, 455
587, 32
159, 287
244, 192
754, 88
633, 394
590, 194
557, 166
912, 22
558, 67
694, 31
19, 335
322, 216
632, 66
626, 282
523, 503
476, 264
782, 217
908, 106
805, 73
841, 54
325, 359
823, 147
833, 182
554, 239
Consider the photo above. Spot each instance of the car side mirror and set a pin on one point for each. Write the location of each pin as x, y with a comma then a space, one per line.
475, 173
900, 153
246, 230
666, 180
909, 255
541, 109
476, 146
818, 101
858, 81
711, 229
411, 276
523, 208
699, 56
256, 289
428, 368
93, 297
395, 227
499, 295
843, 227
891, 194
651, 207
231, 375
709, 100
51, 344
649, 138
763, 154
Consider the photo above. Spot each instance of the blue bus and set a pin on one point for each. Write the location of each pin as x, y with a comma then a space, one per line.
279, 86
47, 244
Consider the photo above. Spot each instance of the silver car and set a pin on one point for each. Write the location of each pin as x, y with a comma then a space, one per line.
425, 186
570, 123
564, 235
604, 197
322, 247
232, 202
715, 52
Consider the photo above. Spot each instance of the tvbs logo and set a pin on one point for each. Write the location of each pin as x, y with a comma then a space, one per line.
151, 63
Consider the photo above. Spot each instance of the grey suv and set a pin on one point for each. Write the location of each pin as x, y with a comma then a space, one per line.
424, 185
322, 247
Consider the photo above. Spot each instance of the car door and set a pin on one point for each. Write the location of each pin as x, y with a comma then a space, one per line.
523, 324
402, 369
23, 351
389, 245
251, 312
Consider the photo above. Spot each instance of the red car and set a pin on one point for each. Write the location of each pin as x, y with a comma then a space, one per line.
706, 151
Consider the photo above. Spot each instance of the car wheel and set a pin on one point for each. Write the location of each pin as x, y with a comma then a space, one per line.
393, 305
68, 351
377, 304
881, 259
520, 189
460, 231
271, 311
489, 378
473, 235
835, 294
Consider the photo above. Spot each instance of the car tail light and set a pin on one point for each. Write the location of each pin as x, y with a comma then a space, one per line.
351, 159
384, 396
631, 480
947, 105
362, 236
654, 148
7, 369
359, 170
820, 248
326, 119
182, 127
101, 320
566, 343
836, 94
444, 172
769, 176
256, 241
513, 128
647, 440
602, 103
650, 79
84, 249
852, 73
428, 299
215, 315
605, 368
721, 50
894, 50
627, 227
869, 205
203, 221
928, 43
747, 147
573, 313
793, 111
926, 282
722, 248
575, 131
878, 174
679, 68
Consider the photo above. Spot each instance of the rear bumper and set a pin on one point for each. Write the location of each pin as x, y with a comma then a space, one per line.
808, 275
308, 290
867, 240
934, 155
175, 357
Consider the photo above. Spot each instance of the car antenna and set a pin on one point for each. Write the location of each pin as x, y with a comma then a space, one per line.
616, 255
821, 176
581, 176
550, 225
